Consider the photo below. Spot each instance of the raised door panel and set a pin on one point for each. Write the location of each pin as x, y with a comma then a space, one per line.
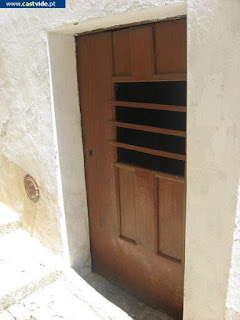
127, 204
145, 205
133, 53
170, 42
171, 206
141, 52
95, 87
121, 53
137, 205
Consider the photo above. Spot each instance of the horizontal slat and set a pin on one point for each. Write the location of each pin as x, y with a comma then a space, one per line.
159, 174
149, 151
148, 129
170, 77
154, 78
152, 106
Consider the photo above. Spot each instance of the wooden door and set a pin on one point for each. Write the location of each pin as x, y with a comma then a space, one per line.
132, 85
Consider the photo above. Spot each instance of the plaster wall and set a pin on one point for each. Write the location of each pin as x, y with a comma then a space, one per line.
71, 178
213, 153
34, 41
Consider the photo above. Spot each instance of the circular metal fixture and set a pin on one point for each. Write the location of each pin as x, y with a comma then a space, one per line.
31, 188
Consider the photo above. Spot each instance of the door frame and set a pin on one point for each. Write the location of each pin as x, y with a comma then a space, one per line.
67, 131
212, 173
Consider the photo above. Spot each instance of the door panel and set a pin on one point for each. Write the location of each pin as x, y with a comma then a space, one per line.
146, 209
127, 203
136, 211
170, 41
96, 90
141, 52
132, 52
171, 202
122, 53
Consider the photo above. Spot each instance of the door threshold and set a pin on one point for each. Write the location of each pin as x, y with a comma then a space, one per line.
133, 306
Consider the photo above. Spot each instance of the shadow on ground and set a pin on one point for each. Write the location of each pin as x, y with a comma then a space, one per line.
134, 307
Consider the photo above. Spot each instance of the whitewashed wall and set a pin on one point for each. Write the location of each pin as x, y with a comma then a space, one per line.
213, 155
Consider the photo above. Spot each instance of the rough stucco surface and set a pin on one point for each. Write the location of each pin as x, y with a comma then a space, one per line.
213, 160
233, 296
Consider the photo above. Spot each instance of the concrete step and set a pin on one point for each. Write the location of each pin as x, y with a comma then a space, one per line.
9, 219
25, 266
69, 298
72, 298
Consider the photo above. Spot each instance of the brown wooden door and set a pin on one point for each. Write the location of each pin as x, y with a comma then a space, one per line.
132, 85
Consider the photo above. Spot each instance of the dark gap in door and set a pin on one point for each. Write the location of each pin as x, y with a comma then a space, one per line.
170, 93
154, 118
151, 140
152, 162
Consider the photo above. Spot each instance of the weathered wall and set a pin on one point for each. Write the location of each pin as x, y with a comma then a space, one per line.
41, 218
213, 155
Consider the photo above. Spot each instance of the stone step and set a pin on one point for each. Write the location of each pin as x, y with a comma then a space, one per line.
25, 266
69, 298
9, 219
